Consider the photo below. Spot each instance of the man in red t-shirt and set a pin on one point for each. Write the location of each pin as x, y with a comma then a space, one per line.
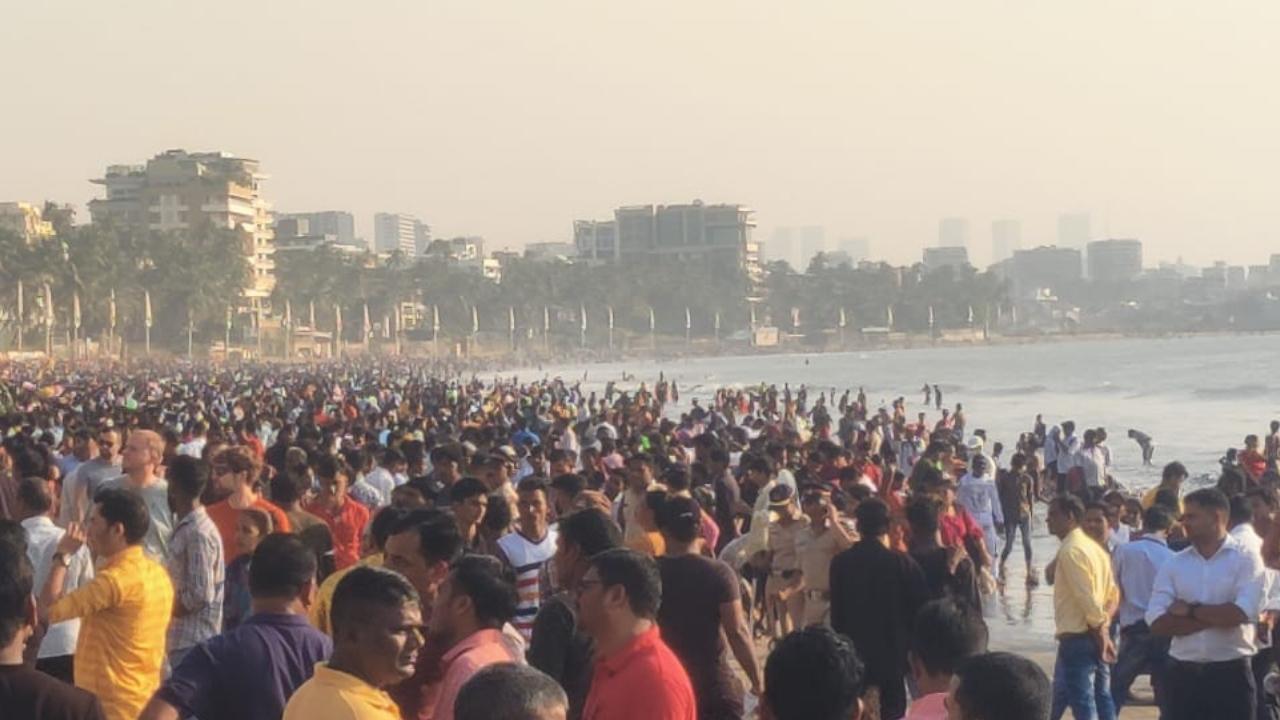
637, 677
345, 517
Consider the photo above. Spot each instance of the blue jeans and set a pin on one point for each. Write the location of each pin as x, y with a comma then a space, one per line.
1081, 681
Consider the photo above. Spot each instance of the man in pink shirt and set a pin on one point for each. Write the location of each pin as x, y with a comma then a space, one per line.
945, 635
476, 599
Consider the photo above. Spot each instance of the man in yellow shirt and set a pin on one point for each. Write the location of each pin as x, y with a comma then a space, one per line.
377, 632
1171, 479
1084, 597
124, 610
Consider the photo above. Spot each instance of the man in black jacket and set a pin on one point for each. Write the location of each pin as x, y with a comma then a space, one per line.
875, 594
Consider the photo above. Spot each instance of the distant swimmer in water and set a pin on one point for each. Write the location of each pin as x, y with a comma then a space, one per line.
1144, 441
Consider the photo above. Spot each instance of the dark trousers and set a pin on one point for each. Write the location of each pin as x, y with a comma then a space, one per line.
62, 667
1140, 653
1011, 528
893, 694
1218, 690
1262, 663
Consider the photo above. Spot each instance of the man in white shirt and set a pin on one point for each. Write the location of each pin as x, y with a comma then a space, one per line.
56, 656
1136, 564
1208, 599
1244, 532
389, 475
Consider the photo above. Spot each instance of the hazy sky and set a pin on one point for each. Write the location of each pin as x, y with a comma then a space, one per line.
510, 119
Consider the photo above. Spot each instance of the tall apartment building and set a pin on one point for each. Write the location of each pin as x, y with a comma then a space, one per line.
1052, 268
1006, 237
938, 257
682, 233
338, 224
1114, 261
25, 220
178, 190
396, 231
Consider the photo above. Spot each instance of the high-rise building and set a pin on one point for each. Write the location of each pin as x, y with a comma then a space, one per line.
1075, 230
813, 240
596, 240
683, 233
783, 245
178, 190
338, 224
857, 248
1006, 237
1052, 268
25, 220
1114, 261
396, 231
939, 257
953, 232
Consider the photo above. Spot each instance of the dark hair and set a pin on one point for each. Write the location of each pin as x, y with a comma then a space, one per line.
1239, 510
1167, 499
282, 565
1264, 493
438, 536
570, 484
490, 584
446, 453
508, 691
1157, 518
813, 674
1069, 506
465, 489
188, 475
1002, 685
34, 494
873, 517
677, 477
655, 500
331, 466
533, 483
362, 587
392, 456
681, 518
922, 515
116, 505
1173, 470
1209, 499
382, 523
16, 580
497, 514
638, 575
591, 530
945, 634
13, 535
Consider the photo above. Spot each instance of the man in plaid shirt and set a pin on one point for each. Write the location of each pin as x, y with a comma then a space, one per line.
195, 561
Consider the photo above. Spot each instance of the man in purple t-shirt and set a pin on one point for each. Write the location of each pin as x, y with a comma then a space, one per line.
250, 672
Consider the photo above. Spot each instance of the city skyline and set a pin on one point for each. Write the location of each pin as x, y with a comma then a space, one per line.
479, 120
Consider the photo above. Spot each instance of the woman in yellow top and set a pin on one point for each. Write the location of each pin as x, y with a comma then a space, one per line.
651, 542
1171, 479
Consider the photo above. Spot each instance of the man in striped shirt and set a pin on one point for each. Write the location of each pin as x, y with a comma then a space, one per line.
528, 549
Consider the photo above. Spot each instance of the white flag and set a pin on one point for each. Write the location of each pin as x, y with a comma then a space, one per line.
610, 317
146, 308
652, 319
475, 320
511, 318
20, 311
111, 309
889, 316
312, 314
435, 319
930, 316
368, 328
688, 319
842, 317
75, 310
288, 314
48, 305
583, 310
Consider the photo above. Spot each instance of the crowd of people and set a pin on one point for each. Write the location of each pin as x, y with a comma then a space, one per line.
385, 539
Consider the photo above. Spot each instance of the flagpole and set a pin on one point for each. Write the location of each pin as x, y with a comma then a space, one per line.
146, 318
48, 320
21, 317
611, 328
226, 340
190, 333
653, 340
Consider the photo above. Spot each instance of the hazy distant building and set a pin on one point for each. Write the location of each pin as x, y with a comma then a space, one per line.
338, 224
1074, 230
940, 257
1236, 277
1052, 268
953, 232
596, 240
681, 233
177, 190
26, 220
1006, 237
395, 231
1114, 261
813, 240
546, 251
1260, 276
783, 246
857, 248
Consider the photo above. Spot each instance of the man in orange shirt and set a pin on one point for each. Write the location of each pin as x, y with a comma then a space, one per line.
637, 677
345, 517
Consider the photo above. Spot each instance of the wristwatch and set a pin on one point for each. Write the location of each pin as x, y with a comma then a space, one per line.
62, 559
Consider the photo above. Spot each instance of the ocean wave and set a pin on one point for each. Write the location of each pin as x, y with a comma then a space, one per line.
1232, 391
